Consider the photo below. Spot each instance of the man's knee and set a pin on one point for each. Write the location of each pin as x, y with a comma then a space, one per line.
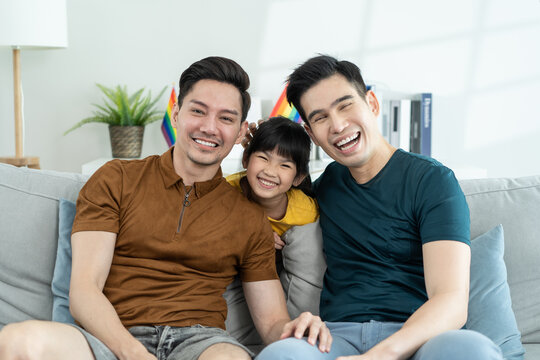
24, 340
459, 344
224, 351
289, 349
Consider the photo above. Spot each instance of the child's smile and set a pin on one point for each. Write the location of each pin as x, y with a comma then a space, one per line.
269, 174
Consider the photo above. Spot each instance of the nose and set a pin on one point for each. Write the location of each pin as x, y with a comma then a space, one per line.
209, 125
338, 123
270, 169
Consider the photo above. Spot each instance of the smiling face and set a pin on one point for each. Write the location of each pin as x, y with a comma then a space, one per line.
270, 175
344, 124
208, 124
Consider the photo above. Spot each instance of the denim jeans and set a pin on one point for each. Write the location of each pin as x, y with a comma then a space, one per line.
357, 338
169, 343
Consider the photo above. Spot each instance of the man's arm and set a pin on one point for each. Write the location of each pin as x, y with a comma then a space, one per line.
446, 273
267, 306
92, 257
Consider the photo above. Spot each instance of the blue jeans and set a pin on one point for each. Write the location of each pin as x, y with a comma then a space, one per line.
358, 338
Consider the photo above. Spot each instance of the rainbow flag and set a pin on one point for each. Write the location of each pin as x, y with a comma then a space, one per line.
282, 108
166, 128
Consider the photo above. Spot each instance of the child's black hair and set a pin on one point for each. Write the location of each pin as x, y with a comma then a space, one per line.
291, 141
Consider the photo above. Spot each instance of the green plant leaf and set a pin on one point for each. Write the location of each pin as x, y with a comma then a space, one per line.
120, 108
93, 119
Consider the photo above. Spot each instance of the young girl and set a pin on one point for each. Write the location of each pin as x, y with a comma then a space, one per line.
277, 175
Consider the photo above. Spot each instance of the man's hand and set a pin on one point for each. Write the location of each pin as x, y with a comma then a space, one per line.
278, 242
266, 303
249, 133
312, 326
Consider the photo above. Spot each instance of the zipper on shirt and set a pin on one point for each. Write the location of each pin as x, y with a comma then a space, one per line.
185, 204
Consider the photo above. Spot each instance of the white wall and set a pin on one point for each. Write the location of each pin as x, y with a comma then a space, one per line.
480, 59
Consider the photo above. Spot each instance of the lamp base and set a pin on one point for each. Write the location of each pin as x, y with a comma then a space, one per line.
28, 161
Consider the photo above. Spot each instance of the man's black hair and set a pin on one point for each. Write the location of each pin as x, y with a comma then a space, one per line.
219, 69
319, 68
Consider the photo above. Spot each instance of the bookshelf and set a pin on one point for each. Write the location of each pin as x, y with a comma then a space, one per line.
405, 119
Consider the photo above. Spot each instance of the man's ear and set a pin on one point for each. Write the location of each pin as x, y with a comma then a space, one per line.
373, 103
310, 133
242, 132
174, 115
298, 179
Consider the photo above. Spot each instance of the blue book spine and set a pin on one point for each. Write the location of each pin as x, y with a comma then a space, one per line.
425, 136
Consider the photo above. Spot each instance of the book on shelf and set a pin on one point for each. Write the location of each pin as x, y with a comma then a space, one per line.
393, 138
425, 124
405, 124
416, 106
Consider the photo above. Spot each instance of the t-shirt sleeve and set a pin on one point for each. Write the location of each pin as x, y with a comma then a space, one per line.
259, 262
98, 204
443, 210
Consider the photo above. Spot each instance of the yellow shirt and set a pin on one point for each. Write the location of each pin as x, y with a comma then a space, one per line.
301, 209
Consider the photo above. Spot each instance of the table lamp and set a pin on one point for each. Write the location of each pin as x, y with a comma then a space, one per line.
29, 24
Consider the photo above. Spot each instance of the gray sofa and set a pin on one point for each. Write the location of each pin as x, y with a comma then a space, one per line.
29, 232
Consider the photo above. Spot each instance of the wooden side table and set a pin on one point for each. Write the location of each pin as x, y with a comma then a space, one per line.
28, 161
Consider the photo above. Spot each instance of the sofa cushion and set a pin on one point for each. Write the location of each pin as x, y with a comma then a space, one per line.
514, 203
29, 226
532, 351
239, 323
62, 266
304, 266
490, 295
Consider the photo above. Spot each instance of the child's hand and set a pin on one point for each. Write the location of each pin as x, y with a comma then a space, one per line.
278, 242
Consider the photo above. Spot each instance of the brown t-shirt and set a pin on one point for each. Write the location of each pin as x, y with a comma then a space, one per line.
173, 258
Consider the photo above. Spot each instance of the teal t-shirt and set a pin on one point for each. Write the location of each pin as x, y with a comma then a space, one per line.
373, 235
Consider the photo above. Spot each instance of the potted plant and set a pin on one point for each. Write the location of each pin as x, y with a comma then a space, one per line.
127, 116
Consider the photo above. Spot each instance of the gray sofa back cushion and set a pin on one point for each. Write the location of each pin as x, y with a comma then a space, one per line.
29, 229
514, 203
303, 268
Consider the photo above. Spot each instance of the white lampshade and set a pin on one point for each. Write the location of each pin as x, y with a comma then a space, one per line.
33, 23
29, 24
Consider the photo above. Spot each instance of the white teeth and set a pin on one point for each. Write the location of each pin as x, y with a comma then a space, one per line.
346, 140
206, 143
345, 148
267, 183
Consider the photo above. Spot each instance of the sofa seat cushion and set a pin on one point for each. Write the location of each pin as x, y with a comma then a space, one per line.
29, 226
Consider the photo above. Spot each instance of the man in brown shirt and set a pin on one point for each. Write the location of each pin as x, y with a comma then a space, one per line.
156, 241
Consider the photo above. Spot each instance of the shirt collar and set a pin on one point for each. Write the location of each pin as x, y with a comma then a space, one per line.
171, 178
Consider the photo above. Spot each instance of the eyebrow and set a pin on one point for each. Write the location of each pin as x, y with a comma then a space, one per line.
200, 103
334, 103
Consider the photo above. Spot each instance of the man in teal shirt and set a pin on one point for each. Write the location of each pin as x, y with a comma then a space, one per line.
395, 233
